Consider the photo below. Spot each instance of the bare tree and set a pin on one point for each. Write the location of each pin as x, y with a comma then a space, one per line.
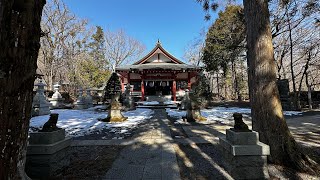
63, 34
121, 49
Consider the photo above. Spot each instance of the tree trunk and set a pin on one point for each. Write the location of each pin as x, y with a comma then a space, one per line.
19, 42
267, 115
309, 92
296, 101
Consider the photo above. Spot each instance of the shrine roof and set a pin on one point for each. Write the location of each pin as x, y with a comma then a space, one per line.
158, 58
158, 49
160, 66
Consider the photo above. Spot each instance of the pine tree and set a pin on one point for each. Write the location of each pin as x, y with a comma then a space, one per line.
113, 86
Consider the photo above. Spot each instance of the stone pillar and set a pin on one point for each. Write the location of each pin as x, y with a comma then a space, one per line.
88, 99
185, 100
174, 90
56, 100
128, 101
81, 101
40, 105
189, 81
245, 157
142, 90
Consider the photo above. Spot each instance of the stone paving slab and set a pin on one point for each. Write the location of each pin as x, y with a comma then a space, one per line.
150, 155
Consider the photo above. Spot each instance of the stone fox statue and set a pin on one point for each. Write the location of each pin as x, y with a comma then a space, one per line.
51, 124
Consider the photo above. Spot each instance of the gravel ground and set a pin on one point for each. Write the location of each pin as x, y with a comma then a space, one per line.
90, 162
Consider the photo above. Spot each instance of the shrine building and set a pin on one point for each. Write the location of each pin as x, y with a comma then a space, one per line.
158, 74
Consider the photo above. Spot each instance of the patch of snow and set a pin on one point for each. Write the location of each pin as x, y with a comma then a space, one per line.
171, 102
175, 113
149, 102
221, 114
96, 108
82, 122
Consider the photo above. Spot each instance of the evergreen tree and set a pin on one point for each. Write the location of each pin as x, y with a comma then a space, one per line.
225, 39
113, 86
97, 47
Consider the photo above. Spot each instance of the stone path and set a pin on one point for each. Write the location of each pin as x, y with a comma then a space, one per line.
150, 155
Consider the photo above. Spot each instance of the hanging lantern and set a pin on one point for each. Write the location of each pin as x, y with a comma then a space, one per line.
151, 84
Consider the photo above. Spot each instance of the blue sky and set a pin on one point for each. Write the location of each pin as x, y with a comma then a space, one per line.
174, 22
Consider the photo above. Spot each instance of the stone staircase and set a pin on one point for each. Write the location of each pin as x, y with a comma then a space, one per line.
160, 99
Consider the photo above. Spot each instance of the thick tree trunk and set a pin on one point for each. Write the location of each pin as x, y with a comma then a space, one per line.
19, 42
267, 115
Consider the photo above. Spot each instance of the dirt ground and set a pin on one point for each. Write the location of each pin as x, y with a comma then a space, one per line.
208, 164
89, 162
204, 161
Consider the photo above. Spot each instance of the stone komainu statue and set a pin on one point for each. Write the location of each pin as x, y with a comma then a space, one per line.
239, 125
51, 124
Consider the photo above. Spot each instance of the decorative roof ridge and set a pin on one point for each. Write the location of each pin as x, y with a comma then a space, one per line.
166, 53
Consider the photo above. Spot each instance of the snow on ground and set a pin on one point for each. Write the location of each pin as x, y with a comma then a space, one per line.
82, 122
169, 102
222, 114
148, 102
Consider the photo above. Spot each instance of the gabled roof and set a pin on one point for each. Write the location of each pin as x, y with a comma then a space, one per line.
159, 49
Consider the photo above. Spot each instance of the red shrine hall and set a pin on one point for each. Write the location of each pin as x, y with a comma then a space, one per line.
158, 74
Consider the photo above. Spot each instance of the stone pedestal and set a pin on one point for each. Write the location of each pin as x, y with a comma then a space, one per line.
114, 113
81, 101
47, 154
40, 105
245, 157
56, 100
114, 110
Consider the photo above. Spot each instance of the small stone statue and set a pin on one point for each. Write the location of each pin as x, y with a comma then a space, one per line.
239, 125
51, 124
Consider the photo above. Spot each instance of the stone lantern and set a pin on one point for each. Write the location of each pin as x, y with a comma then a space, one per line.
40, 105
56, 100
115, 107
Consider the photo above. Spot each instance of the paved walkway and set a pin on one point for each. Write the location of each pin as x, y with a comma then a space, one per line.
150, 156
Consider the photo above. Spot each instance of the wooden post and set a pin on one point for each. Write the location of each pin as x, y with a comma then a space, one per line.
122, 84
189, 81
129, 77
142, 90
174, 89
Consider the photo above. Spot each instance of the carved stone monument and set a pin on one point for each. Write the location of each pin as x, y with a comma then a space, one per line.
193, 109
56, 100
40, 105
128, 101
245, 157
48, 152
88, 99
183, 105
